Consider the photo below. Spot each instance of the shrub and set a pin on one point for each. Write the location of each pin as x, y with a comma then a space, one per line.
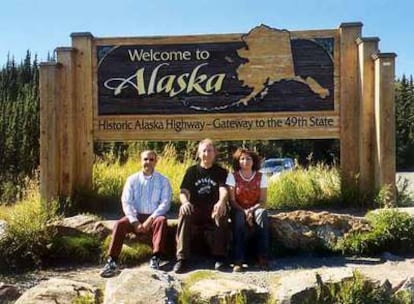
392, 231
82, 248
25, 242
358, 290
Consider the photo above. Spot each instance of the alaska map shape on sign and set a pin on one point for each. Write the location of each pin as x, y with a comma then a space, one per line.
269, 60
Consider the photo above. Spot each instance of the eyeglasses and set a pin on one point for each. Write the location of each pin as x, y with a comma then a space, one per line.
149, 159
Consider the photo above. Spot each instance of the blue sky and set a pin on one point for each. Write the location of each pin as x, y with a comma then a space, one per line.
43, 25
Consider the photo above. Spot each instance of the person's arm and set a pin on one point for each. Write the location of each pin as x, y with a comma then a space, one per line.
165, 199
186, 207
220, 208
232, 199
164, 205
263, 194
231, 184
127, 200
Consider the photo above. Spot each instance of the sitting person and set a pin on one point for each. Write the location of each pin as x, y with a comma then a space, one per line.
248, 191
203, 208
146, 198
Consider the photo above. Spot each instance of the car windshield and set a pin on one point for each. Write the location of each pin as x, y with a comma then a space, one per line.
272, 163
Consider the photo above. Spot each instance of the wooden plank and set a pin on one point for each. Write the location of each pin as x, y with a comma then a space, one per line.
66, 120
367, 47
223, 126
385, 119
350, 101
232, 37
83, 43
49, 165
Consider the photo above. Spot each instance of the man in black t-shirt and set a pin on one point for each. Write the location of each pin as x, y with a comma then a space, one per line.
203, 208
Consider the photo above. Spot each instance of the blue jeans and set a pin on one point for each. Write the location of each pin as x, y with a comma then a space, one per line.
242, 231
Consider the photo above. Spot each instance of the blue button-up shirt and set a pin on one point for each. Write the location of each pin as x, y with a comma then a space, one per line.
146, 195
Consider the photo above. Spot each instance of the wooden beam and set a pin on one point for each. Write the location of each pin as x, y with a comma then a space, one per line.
349, 101
367, 47
385, 119
83, 43
49, 163
66, 120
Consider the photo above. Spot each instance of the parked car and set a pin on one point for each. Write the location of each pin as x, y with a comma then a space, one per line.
274, 166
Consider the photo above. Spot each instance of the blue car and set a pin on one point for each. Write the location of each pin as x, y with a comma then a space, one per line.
275, 166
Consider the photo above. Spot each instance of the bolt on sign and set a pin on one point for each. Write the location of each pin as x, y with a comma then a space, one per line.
265, 84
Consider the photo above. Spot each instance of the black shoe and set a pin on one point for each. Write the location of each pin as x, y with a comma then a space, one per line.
180, 266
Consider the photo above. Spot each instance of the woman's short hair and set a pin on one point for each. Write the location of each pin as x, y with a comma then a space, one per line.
237, 155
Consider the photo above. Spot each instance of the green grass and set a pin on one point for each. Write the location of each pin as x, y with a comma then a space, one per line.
26, 239
132, 253
109, 177
358, 290
317, 186
186, 296
82, 248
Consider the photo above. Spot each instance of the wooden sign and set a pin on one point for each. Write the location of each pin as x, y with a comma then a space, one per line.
272, 77
264, 84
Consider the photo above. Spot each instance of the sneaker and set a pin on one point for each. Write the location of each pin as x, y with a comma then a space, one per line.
154, 263
180, 266
109, 269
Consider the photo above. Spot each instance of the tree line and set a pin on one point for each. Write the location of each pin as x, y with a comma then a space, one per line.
19, 132
19, 125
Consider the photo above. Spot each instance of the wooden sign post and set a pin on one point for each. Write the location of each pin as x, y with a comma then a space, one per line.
265, 84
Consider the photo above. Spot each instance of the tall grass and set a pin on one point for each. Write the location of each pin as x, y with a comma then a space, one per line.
25, 241
316, 186
109, 177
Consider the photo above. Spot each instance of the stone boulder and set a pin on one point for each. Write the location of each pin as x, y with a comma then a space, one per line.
309, 286
308, 230
8, 293
135, 286
221, 290
60, 291
82, 224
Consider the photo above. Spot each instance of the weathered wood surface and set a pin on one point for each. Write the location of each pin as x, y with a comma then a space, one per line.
366, 48
350, 100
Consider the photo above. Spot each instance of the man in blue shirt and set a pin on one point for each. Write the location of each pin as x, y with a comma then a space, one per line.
146, 198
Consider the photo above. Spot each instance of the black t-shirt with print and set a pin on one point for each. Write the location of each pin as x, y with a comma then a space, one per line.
204, 184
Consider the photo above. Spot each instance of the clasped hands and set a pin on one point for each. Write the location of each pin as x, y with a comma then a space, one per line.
142, 227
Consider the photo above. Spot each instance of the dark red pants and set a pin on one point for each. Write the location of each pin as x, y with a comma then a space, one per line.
122, 227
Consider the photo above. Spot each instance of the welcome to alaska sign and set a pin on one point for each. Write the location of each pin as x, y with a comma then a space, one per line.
265, 84
277, 81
